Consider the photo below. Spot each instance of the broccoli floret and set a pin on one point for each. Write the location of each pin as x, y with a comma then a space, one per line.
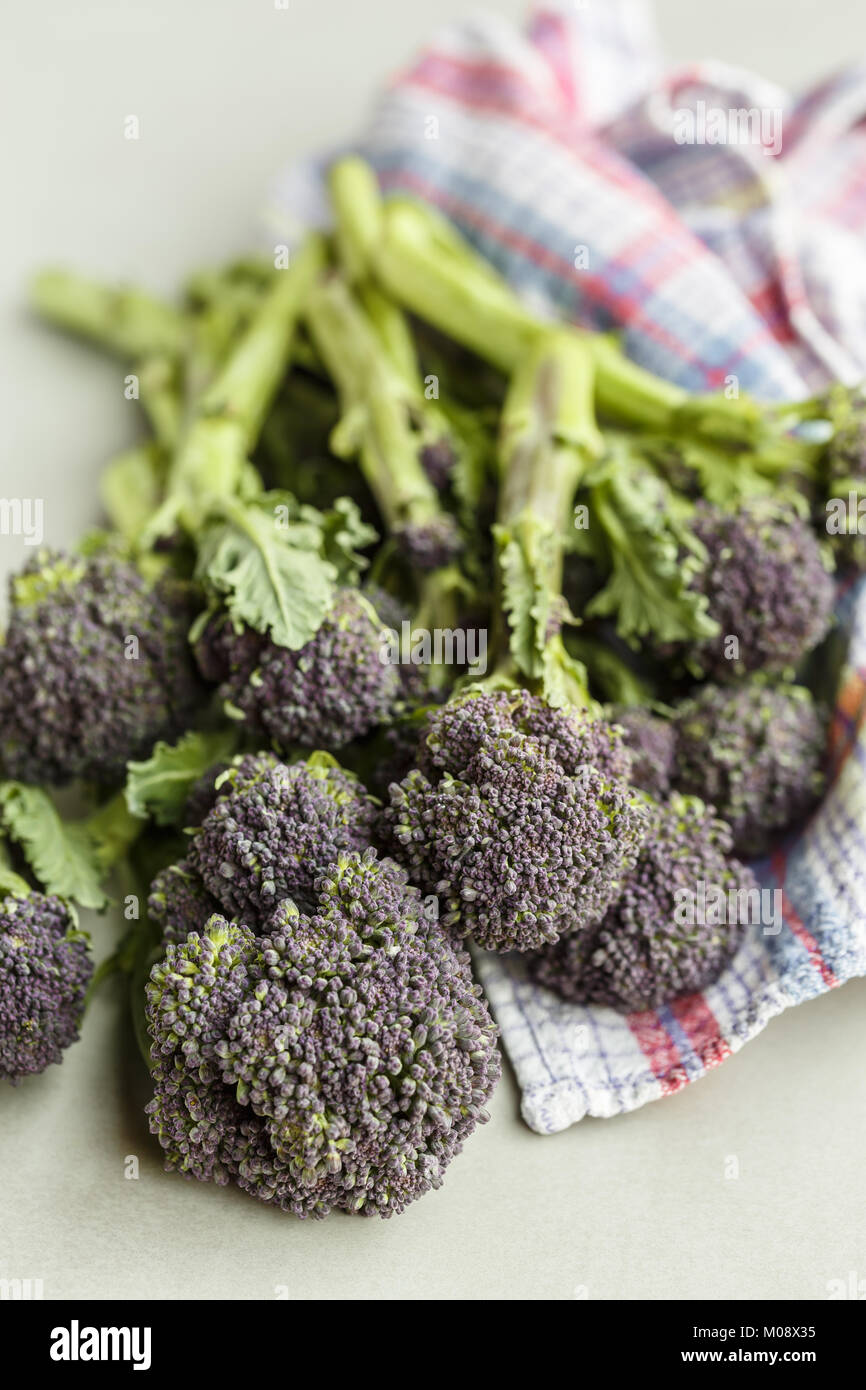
756, 752
94, 669
336, 688
274, 828
428, 545
766, 585
518, 817
438, 460
256, 1048
844, 468
45, 968
179, 903
640, 956
651, 740
204, 794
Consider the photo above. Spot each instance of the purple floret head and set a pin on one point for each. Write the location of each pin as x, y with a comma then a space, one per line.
757, 753
651, 740
430, 544
518, 816
338, 1063
438, 459
45, 968
337, 687
274, 828
767, 586
665, 936
95, 667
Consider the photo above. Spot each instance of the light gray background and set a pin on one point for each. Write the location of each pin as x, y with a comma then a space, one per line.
226, 90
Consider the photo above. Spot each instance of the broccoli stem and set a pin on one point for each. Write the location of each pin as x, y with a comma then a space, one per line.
429, 269
126, 322
548, 438
231, 410
375, 422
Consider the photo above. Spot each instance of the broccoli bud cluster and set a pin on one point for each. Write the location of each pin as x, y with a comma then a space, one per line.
431, 544
756, 752
94, 669
766, 584
650, 946
334, 689
338, 1062
519, 816
651, 741
45, 968
271, 831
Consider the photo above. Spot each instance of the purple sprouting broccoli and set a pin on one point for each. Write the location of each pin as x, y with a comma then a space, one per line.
337, 687
651, 740
94, 669
844, 474
256, 1045
651, 946
45, 968
766, 585
519, 816
272, 831
438, 459
755, 751
179, 903
428, 545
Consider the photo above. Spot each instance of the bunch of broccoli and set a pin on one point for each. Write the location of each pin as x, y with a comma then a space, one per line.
374, 446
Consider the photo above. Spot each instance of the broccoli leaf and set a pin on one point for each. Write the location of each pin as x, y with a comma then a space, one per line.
268, 568
344, 534
61, 854
652, 556
159, 786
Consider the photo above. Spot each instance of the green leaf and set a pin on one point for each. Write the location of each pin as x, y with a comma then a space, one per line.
159, 786
269, 569
652, 556
563, 678
344, 534
61, 854
534, 612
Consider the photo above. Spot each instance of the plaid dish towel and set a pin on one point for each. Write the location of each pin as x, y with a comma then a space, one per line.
560, 148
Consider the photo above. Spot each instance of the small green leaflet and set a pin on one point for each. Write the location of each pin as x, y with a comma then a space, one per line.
652, 557
158, 787
344, 533
61, 854
268, 569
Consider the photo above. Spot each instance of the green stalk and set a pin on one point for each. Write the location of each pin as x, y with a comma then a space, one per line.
548, 439
431, 271
375, 421
126, 322
629, 393
233, 407
161, 399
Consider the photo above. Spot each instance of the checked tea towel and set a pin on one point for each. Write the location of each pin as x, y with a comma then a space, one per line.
560, 147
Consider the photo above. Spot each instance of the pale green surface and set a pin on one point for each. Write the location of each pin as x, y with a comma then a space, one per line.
225, 91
